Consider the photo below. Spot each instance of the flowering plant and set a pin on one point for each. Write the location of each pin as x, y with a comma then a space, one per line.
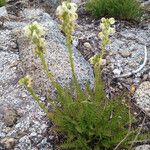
88, 119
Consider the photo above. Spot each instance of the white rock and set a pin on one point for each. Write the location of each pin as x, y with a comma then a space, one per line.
125, 53
87, 45
143, 147
142, 96
3, 11
117, 71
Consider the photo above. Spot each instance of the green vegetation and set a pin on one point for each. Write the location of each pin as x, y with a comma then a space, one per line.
119, 9
87, 118
2, 3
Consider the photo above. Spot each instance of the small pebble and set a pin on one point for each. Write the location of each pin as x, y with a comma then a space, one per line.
87, 45
8, 143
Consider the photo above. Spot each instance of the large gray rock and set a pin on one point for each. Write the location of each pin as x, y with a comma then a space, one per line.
56, 56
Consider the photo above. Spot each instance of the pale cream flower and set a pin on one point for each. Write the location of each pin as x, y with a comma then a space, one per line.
102, 26
101, 35
111, 20
112, 30
59, 11
103, 19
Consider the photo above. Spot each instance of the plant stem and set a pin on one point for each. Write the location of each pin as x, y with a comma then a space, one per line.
36, 98
68, 41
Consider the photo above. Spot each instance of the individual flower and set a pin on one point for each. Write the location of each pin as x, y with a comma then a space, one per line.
112, 30
103, 19
102, 26
101, 35
111, 20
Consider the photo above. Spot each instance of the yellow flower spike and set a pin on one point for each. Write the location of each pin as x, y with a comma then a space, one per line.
67, 15
32, 29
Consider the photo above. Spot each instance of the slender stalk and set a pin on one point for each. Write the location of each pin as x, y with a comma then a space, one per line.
137, 135
36, 98
78, 89
49, 74
68, 41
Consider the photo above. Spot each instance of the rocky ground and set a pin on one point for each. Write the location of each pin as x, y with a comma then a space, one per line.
23, 126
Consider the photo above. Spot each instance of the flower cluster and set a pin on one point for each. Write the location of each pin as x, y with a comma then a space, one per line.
106, 29
67, 15
34, 32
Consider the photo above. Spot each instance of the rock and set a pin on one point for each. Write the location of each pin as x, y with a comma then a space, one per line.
8, 143
117, 71
51, 2
87, 45
125, 53
3, 12
44, 145
49, 5
56, 56
142, 96
10, 117
143, 147
147, 6
24, 143
3, 15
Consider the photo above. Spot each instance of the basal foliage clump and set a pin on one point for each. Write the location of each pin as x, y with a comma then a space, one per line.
2, 3
120, 9
86, 117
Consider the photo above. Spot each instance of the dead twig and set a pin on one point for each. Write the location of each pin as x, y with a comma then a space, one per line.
129, 131
136, 137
